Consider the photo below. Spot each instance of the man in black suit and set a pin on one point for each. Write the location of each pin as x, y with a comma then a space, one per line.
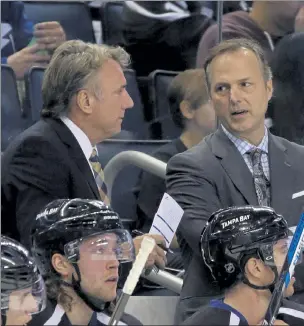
240, 164
85, 99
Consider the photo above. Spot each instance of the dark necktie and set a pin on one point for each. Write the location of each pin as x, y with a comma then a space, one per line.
99, 177
260, 181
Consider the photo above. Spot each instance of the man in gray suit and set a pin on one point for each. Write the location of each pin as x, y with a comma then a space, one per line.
240, 164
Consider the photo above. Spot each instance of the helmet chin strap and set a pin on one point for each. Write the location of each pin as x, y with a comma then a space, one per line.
96, 304
269, 287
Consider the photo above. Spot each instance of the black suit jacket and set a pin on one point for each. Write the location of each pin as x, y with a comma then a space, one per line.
213, 175
43, 163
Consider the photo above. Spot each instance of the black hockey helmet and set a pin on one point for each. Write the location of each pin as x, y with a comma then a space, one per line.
19, 277
65, 224
234, 235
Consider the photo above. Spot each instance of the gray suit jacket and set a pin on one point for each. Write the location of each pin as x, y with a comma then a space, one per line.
213, 175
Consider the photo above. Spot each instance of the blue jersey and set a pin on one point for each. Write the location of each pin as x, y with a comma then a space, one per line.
218, 313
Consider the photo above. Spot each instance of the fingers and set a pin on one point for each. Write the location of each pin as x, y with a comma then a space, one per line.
31, 54
33, 48
47, 25
49, 29
48, 33
151, 259
158, 255
41, 58
49, 43
160, 260
159, 239
160, 252
51, 34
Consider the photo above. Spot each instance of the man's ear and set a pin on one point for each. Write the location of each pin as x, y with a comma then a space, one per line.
269, 87
186, 110
61, 265
254, 269
84, 101
258, 273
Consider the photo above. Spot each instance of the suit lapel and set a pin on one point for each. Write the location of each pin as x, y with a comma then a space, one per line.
282, 178
75, 153
234, 165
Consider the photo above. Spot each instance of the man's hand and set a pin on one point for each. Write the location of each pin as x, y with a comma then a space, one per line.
157, 256
23, 60
49, 34
299, 21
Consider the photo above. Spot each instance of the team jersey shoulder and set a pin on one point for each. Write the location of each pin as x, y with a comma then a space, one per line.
215, 316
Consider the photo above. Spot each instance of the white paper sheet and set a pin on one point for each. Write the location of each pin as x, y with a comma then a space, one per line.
167, 219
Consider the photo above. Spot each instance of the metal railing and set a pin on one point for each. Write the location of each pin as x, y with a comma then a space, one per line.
141, 160
158, 168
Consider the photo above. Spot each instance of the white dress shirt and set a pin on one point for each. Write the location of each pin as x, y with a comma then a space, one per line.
81, 138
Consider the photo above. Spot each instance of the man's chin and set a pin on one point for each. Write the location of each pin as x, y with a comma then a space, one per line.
110, 296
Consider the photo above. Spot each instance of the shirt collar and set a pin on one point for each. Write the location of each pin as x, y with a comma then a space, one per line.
80, 136
263, 146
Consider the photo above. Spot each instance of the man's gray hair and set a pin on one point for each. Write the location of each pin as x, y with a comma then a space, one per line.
73, 66
234, 45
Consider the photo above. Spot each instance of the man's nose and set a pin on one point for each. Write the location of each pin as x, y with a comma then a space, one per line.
128, 101
235, 94
32, 304
113, 263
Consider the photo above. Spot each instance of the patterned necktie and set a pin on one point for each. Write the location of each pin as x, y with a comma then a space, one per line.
99, 177
262, 186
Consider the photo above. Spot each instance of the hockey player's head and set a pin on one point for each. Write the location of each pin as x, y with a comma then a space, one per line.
22, 288
81, 243
246, 244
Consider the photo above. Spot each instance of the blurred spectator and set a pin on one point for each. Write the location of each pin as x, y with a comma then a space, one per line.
33, 45
288, 77
167, 31
192, 111
267, 23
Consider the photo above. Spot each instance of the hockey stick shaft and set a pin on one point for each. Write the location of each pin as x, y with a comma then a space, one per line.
146, 248
294, 252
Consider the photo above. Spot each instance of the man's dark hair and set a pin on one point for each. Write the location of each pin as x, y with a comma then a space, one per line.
234, 45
